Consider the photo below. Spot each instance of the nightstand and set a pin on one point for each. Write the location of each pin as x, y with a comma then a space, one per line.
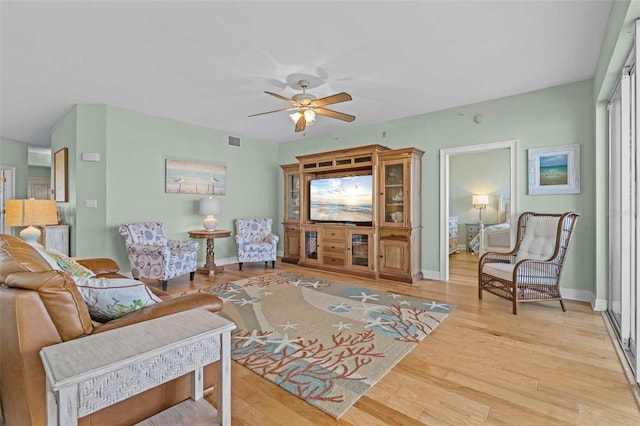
472, 230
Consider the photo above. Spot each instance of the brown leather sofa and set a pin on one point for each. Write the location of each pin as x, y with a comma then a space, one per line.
41, 307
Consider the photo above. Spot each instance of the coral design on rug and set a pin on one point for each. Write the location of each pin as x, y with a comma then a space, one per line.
323, 341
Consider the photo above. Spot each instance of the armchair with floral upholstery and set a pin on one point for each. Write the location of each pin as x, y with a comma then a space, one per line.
152, 255
255, 241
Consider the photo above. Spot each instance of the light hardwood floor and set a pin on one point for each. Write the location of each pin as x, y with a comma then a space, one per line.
482, 365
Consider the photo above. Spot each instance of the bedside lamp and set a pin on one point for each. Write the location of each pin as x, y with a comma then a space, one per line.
29, 213
210, 207
480, 202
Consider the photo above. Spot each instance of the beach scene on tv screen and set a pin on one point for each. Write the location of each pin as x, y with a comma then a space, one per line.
346, 199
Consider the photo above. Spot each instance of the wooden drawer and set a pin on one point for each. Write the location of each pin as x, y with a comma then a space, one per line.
333, 247
333, 260
335, 234
394, 234
292, 228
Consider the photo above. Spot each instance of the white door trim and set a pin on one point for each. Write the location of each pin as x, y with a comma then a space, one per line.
445, 154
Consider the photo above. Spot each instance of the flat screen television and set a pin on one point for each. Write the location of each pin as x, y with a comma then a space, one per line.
346, 199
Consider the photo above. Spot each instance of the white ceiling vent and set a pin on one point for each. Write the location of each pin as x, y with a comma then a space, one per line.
234, 141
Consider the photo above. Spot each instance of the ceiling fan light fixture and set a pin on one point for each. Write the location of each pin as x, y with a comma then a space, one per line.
295, 116
306, 107
310, 117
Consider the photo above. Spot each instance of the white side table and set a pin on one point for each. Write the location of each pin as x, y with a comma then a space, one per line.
87, 374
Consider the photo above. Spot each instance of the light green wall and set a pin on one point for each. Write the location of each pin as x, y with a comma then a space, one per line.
64, 135
554, 116
38, 171
128, 181
477, 173
15, 153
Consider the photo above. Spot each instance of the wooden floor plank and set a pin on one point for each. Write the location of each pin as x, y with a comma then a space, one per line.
482, 365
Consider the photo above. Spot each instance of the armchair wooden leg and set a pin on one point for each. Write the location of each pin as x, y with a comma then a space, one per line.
192, 275
164, 285
240, 266
562, 305
265, 263
273, 264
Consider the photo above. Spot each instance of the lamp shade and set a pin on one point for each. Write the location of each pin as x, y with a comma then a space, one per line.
210, 205
31, 212
480, 200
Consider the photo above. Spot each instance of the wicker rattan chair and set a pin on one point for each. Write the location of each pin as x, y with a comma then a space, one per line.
531, 271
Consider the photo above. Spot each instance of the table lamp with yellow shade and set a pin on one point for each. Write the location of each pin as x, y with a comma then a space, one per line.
30, 213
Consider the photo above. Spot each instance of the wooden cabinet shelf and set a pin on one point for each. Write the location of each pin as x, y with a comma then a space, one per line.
389, 246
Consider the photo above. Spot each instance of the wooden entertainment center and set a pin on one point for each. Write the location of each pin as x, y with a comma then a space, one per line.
386, 246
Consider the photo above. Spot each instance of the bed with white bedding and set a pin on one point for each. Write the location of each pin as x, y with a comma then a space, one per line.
496, 238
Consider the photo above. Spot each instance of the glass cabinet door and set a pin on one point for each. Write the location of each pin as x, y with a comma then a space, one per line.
360, 249
293, 197
393, 187
311, 244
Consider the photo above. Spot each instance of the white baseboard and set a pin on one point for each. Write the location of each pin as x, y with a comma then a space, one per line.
430, 275
584, 296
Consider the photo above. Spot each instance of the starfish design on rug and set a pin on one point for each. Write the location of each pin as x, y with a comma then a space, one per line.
288, 325
301, 283
330, 358
433, 305
254, 338
369, 309
378, 323
267, 293
342, 326
342, 307
284, 343
231, 290
226, 299
364, 296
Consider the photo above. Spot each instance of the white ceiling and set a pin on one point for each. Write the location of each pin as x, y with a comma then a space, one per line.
208, 63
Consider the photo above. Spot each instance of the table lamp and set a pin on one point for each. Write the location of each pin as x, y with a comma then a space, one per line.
480, 202
30, 213
210, 206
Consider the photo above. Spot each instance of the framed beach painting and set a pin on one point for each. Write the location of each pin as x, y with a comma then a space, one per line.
188, 177
554, 170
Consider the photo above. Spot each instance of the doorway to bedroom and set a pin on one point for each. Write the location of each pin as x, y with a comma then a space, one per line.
486, 170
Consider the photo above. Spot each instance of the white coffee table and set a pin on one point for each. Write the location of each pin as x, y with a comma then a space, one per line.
87, 374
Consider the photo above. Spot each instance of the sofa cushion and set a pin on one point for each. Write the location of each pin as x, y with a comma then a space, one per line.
71, 266
19, 256
59, 293
111, 298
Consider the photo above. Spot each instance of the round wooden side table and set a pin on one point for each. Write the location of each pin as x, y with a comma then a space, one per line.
210, 267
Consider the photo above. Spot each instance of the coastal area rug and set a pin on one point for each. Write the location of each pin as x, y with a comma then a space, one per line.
323, 341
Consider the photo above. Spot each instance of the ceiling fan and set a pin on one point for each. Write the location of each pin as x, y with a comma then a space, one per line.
306, 106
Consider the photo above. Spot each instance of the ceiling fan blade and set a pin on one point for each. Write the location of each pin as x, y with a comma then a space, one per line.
291, 101
269, 112
333, 99
301, 124
335, 114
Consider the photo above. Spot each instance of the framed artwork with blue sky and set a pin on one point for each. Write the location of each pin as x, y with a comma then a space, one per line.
554, 170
